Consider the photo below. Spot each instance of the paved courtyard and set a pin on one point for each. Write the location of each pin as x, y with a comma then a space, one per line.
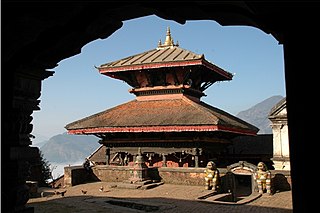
164, 198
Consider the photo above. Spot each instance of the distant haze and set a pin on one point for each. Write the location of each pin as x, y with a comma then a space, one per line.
65, 148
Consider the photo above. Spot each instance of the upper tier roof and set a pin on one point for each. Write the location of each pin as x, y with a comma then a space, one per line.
160, 58
165, 55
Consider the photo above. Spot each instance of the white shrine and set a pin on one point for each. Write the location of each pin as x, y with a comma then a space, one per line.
279, 125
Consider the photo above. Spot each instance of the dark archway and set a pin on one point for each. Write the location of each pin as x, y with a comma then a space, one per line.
37, 35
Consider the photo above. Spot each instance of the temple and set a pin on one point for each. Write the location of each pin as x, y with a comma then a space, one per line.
167, 121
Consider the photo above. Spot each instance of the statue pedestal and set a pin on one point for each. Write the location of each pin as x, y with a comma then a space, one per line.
281, 165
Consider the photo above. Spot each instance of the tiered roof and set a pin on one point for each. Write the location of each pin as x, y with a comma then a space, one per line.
168, 82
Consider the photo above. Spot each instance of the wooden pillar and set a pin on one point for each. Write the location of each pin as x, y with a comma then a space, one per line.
108, 156
164, 160
196, 157
196, 161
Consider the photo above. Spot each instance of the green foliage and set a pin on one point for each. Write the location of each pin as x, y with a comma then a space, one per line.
46, 173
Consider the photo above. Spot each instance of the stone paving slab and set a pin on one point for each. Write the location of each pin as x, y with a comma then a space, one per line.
166, 198
227, 199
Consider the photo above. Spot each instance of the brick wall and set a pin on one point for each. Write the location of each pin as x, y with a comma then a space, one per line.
75, 175
112, 173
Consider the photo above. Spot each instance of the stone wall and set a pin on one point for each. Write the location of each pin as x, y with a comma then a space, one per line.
74, 175
112, 173
188, 176
185, 176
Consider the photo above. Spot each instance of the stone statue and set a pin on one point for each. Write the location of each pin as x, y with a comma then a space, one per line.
211, 176
263, 178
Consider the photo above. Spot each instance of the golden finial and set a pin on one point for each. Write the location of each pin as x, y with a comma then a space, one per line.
168, 42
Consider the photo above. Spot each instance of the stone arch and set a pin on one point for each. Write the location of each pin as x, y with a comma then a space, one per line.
42, 33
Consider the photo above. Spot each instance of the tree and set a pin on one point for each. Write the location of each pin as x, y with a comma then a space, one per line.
40, 171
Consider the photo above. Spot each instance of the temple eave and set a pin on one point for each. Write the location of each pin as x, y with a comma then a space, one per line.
104, 70
109, 70
202, 128
218, 70
137, 141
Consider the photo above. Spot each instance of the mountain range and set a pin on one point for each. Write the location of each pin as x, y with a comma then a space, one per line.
65, 148
258, 114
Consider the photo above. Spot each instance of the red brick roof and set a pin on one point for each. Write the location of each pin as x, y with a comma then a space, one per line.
169, 115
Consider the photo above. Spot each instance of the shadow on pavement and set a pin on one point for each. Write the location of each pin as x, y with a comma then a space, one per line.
94, 204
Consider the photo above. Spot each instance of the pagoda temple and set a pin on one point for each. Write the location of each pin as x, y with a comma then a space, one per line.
167, 121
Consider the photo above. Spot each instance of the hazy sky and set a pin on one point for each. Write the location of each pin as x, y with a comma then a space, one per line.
78, 90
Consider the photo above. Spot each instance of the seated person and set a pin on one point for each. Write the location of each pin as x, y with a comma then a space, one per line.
86, 165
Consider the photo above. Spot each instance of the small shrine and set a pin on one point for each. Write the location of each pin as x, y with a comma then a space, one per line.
242, 183
167, 119
279, 125
140, 170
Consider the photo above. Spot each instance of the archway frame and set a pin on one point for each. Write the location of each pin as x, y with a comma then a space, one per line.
36, 40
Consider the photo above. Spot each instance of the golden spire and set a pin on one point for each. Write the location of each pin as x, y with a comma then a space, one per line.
168, 42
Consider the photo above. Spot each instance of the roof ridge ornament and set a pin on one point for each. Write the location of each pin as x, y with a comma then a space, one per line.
168, 42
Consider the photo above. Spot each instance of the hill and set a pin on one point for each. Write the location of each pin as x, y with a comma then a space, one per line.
258, 114
69, 148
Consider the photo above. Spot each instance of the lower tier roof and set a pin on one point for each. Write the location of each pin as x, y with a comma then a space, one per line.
169, 115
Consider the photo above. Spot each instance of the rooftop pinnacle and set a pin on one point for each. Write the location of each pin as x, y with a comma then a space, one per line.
168, 42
